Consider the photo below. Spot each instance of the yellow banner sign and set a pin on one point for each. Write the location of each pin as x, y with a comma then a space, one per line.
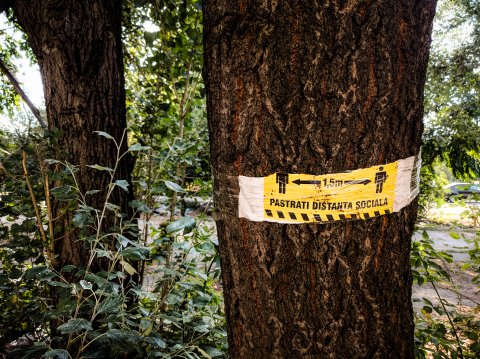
358, 194
301, 198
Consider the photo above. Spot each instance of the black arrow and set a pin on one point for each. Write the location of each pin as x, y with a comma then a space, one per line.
299, 182
360, 181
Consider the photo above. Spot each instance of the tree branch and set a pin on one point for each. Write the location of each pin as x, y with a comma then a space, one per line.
23, 95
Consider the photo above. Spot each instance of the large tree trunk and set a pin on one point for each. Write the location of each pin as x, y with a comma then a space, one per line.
315, 87
78, 47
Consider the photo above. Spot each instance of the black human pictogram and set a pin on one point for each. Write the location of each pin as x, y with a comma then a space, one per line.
380, 178
282, 180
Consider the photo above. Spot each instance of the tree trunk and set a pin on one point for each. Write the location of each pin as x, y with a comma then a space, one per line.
315, 87
78, 46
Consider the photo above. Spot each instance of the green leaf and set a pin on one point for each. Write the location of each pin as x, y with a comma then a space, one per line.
28, 352
104, 134
112, 207
141, 206
102, 253
454, 235
75, 326
122, 336
96, 279
427, 309
446, 256
122, 184
112, 304
172, 299
86, 285
213, 352
37, 271
426, 300
56, 354
55, 283
42, 273
159, 342
180, 224
174, 187
475, 347
137, 147
168, 272
81, 220
68, 268
203, 328
62, 192
471, 335
135, 253
50, 161
146, 326
100, 168
150, 37
122, 240
93, 191
128, 267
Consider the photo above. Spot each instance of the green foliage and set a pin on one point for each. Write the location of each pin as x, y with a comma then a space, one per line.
22, 296
166, 103
424, 260
474, 255
8, 52
441, 331
452, 131
176, 313
434, 178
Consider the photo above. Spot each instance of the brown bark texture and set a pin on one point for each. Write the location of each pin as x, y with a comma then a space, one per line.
78, 46
315, 87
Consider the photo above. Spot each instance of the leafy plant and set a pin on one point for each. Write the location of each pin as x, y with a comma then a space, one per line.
451, 106
167, 103
100, 313
440, 330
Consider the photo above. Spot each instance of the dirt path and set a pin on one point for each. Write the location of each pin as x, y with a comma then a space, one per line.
451, 219
460, 292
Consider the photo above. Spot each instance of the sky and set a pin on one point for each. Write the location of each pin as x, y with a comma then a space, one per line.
29, 77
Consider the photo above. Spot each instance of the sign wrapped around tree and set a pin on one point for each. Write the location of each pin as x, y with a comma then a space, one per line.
318, 88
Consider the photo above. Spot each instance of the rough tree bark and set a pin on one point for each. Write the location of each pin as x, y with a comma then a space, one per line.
315, 87
78, 46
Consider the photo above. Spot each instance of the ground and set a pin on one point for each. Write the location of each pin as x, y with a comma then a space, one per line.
460, 291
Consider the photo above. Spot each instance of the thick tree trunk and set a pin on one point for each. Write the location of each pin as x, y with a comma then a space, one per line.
78, 47
315, 87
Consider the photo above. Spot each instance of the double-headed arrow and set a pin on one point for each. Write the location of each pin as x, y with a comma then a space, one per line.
359, 181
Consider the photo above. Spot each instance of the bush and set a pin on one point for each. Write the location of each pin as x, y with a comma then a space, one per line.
83, 312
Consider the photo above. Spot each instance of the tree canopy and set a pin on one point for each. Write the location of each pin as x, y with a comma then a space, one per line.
452, 114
